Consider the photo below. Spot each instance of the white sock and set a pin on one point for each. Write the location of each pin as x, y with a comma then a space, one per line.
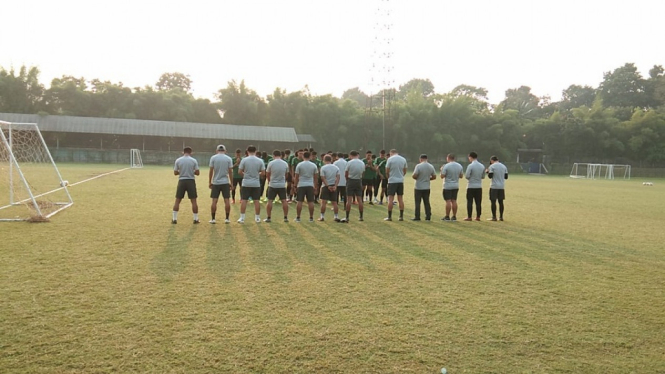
336, 216
322, 214
175, 215
196, 216
257, 216
242, 216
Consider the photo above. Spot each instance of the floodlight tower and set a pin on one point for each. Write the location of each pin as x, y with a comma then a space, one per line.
381, 81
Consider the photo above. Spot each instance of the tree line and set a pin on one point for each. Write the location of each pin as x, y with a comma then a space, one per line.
620, 120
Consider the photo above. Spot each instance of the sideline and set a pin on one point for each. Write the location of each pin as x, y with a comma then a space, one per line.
97, 176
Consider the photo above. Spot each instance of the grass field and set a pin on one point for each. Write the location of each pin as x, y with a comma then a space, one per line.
572, 282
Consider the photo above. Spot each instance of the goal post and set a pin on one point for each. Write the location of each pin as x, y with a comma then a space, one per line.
31, 187
582, 170
135, 160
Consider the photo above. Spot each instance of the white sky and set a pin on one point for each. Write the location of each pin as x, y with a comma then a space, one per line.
326, 45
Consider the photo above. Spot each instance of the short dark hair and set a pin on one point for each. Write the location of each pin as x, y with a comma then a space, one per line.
373, 157
346, 155
451, 156
383, 152
473, 155
251, 149
313, 153
287, 152
353, 153
327, 158
340, 155
306, 154
187, 150
368, 152
423, 156
494, 158
393, 151
277, 152
311, 150
238, 150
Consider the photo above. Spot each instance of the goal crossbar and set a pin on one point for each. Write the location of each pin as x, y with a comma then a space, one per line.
583, 170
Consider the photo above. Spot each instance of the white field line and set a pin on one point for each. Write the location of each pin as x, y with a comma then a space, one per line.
98, 176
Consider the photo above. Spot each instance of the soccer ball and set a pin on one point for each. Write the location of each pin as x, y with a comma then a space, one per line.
64, 183
647, 184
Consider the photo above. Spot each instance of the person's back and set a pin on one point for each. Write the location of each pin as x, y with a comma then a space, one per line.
277, 169
396, 165
499, 172
186, 166
341, 165
356, 168
451, 172
424, 171
251, 167
475, 173
306, 170
221, 163
329, 173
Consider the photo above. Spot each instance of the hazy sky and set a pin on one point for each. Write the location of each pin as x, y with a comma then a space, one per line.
327, 45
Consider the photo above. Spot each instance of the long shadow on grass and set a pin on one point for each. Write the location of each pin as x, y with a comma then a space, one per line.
461, 241
300, 244
223, 254
175, 257
270, 255
348, 247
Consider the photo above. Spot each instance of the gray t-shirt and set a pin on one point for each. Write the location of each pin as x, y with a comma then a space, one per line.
451, 173
341, 165
221, 164
277, 169
186, 165
475, 173
252, 166
396, 164
306, 171
329, 173
499, 177
356, 168
424, 171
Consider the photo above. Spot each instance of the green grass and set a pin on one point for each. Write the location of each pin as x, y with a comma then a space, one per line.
571, 282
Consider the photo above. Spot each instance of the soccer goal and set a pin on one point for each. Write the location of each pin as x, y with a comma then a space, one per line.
600, 171
135, 158
31, 187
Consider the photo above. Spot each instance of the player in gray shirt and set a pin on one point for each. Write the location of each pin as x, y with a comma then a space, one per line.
186, 168
451, 173
395, 171
354, 188
341, 165
276, 177
220, 180
252, 169
498, 173
330, 177
475, 172
423, 173
306, 179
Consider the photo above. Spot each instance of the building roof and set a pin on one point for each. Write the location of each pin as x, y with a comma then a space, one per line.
120, 126
306, 138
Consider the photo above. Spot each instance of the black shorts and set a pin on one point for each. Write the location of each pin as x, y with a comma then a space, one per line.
341, 191
273, 192
450, 194
326, 194
236, 181
224, 189
186, 185
384, 184
497, 194
474, 193
395, 189
354, 187
250, 192
368, 182
307, 192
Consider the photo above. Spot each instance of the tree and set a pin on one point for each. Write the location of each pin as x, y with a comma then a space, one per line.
355, 94
20, 93
624, 87
423, 86
174, 81
576, 96
241, 105
68, 96
521, 100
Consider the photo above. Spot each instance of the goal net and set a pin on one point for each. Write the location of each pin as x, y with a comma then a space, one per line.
600, 171
31, 187
135, 158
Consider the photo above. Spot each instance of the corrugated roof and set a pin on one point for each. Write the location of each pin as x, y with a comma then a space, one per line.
306, 138
119, 126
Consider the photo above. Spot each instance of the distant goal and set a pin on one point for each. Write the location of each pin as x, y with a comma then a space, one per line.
31, 187
135, 160
600, 171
